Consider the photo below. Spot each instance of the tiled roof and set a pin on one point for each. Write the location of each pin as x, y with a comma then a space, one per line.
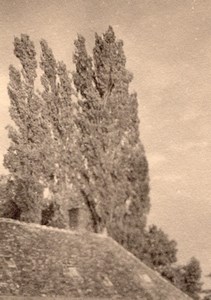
42, 261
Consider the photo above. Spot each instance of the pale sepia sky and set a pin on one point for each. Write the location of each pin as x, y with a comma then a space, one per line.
168, 49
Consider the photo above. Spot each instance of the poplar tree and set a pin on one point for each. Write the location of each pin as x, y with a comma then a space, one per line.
85, 152
128, 164
117, 166
94, 177
23, 157
59, 112
43, 155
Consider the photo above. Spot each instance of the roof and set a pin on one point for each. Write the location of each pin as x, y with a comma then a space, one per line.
42, 261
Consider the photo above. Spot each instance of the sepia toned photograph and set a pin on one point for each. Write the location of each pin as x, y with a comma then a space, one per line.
105, 149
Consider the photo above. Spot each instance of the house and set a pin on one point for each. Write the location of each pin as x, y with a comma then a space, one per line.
37, 260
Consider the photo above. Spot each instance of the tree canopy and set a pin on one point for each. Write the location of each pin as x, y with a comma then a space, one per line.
75, 142
78, 137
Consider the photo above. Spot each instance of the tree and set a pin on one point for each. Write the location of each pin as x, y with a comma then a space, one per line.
59, 112
43, 154
186, 277
115, 167
126, 160
190, 278
84, 148
158, 251
3, 184
23, 156
87, 152
207, 297
207, 292
89, 121
160, 254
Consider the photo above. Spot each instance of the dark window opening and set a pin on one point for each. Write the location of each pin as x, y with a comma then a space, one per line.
48, 214
11, 211
73, 217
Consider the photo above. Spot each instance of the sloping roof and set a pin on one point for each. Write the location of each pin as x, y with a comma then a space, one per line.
42, 261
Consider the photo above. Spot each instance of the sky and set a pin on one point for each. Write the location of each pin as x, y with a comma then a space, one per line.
168, 48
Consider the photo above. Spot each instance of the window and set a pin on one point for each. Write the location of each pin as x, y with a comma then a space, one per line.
73, 217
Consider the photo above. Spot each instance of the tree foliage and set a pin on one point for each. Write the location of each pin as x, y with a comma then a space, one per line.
23, 156
160, 254
80, 142
116, 178
61, 149
85, 150
190, 278
158, 251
